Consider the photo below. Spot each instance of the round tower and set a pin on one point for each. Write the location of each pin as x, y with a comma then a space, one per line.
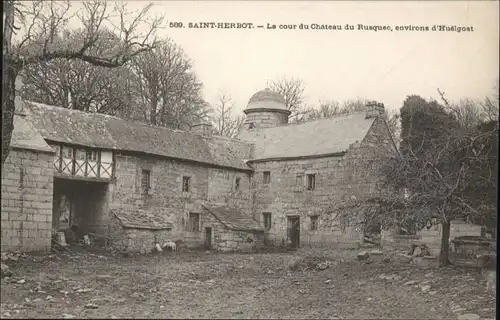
266, 109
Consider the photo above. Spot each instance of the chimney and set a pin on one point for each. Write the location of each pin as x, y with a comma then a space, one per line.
374, 109
18, 101
202, 128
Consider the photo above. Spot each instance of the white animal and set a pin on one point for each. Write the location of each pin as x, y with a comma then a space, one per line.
158, 248
86, 240
171, 245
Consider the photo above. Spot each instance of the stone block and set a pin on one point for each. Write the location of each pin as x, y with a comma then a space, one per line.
491, 280
41, 218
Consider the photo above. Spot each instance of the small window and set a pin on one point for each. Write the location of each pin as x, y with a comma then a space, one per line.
186, 181
81, 154
266, 218
194, 222
314, 222
146, 180
92, 155
237, 184
67, 152
311, 181
299, 180
266, 178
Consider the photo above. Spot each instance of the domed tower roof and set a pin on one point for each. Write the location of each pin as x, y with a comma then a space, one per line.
268, 100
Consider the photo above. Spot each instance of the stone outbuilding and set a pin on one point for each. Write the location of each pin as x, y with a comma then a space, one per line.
135, 230
232, 230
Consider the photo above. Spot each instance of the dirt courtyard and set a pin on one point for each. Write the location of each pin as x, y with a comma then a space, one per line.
237, 286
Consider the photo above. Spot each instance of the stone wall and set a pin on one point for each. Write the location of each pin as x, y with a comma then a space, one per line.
265, 119
166, 196
27, 185
222, 188
336, 178
430, 236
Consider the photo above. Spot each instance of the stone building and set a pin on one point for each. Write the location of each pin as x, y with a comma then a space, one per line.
134, 185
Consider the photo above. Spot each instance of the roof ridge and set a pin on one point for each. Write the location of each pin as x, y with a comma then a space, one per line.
106, 131
309, 121
228, 139
133, 121
91, 114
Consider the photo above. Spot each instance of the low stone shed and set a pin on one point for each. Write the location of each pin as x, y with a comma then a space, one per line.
133, 230
229, 229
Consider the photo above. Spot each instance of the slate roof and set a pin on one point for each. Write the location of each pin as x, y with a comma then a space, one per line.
109, 132
233, 218
312, 138
25, 136
141, 219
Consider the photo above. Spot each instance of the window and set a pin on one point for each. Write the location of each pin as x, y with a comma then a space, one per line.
186, 184
92, 155
314, 222
311, 181
194, 222
266, 178
80, 154
67, 152
146, 180
266, 218
237, 184
299, 180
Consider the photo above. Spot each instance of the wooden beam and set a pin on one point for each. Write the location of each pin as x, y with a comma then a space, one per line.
98, 163
73, 162
87, 151
60, 158
113, 160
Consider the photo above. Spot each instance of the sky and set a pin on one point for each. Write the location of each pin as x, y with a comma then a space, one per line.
339, 64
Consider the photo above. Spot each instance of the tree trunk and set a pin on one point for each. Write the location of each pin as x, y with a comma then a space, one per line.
8, 109
154, 105
445, 244
8, 81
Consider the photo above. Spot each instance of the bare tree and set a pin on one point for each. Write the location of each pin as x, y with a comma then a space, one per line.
449, 169
292, 90
168, 89
76, 84
32, 30
332, 108
225, 122
470, 113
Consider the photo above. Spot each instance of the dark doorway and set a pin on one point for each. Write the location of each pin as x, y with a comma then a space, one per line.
208, 238
80, 203
294, 231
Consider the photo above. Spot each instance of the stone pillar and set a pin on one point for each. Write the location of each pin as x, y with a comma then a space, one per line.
18, 101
